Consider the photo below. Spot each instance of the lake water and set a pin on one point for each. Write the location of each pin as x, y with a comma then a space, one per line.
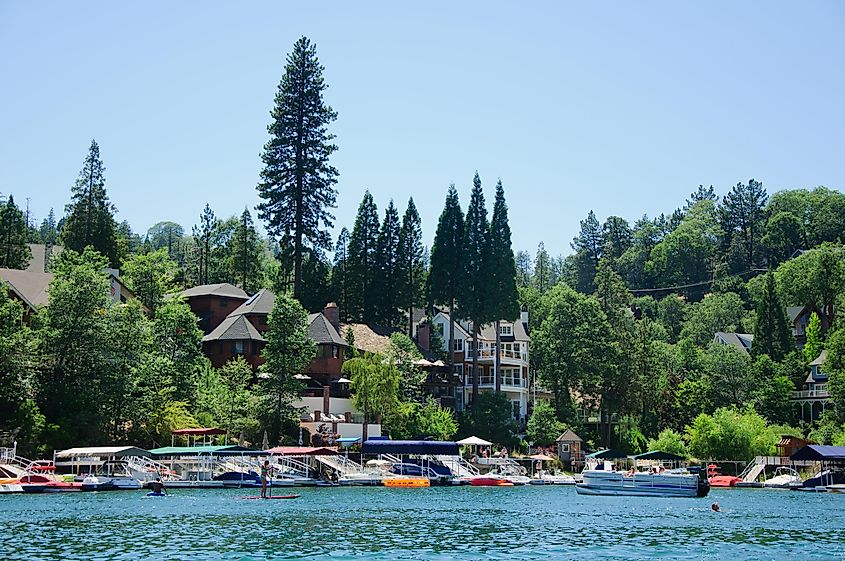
438, 523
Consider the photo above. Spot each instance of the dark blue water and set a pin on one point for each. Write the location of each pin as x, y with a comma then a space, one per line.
437, 523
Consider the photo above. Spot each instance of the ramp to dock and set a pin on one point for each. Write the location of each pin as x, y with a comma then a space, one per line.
340, 464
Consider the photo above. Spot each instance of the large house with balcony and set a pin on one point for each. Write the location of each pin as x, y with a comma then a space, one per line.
799, 317
814, 397
512, 359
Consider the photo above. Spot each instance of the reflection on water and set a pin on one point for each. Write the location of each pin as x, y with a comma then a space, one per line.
433, 524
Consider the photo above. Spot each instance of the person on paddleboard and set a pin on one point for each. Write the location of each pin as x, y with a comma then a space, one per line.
265, 473
158, 487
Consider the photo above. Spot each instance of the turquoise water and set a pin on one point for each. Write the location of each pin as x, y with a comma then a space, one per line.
439, 523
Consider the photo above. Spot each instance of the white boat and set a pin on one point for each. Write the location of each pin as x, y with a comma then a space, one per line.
784, 478
517, 479
113, 474
562, 479
362, 478
672, 483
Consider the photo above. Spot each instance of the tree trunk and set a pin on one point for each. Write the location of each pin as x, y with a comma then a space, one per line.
411, 299
497, 359
475, 376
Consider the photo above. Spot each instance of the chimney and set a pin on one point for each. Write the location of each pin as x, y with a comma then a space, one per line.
424, 336
326, 400
523, 316
333, 315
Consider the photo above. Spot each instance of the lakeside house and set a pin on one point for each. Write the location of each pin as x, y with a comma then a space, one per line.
813, 398
512, 359
741, 341
799, 319
31, 288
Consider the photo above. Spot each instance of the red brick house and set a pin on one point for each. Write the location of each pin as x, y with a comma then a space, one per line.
212, 303
241, 333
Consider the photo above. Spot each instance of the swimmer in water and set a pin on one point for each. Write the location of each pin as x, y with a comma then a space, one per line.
715, 507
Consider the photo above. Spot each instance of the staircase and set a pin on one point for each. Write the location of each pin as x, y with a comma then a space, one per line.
145, 469
12, 465
340, 464
754, 470
458, 466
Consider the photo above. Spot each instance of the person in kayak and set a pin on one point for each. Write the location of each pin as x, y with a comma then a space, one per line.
157, 487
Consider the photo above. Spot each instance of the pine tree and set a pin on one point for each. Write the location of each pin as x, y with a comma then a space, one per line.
504, 299
446, 274
48, 232
90, 215
245, 254
202, 234
386, 281
542, 277
361, 272
741, 218
411, 263
771, 334
590, 238
473, 294
340, 277
14, 251
702, 194
297, 180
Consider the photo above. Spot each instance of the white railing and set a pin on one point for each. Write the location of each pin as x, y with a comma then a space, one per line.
503, 355
808, 394
487, 382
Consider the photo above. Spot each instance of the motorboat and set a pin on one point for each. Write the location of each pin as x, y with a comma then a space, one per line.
561, 479
362, 478
717, 479
113, 474
490, 481
51, 485
670, 483
784, 478
825, 478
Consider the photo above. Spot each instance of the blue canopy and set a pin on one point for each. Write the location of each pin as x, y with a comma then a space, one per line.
407, 447
818, 453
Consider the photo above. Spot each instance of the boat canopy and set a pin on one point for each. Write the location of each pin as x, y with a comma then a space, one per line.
198, 432
474, 441
407, 447
301, 451
103, 452
206, 450
659, 455
819, 453
607, 454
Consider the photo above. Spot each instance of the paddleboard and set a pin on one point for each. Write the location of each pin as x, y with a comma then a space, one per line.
153, 494
275, 497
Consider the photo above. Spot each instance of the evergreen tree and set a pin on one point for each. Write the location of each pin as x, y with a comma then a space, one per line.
14, 251
316, 288
446, 274
814, 345
771, 334
701, 194
474, 301
411, 263
361, 271
90, 215
387, 278
616, 237
48, 232
297, 180
501, 283
590, 238
245, 254
542, 277
523, 269
340, 276
741, 220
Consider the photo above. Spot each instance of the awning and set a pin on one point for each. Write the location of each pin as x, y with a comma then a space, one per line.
607, 454
410, 447
104, 452
818, 453
301, 451
198, 432
474, 441
343, 380
659, 455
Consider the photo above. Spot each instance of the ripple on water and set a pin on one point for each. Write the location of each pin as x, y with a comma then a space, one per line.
371, 524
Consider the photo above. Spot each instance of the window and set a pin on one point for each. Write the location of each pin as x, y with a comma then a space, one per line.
239, 347
505, 330
459, 345
459, 370
335, 351
563, 447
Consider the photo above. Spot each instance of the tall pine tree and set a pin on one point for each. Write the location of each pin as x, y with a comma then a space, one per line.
297, 180
741, 219
411, 263
474, 298
446, 274
386, 281
504, 299
90, 215
771, 334
48, 232
361, 271
203, 237
14, 251
245, 254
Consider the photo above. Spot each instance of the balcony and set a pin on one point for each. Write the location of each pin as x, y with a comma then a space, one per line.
505, 356
811, 394
508, 383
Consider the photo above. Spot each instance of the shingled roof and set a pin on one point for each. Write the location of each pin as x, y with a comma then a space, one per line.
234, 328
219, 289
261, 302
322, 331
30, 286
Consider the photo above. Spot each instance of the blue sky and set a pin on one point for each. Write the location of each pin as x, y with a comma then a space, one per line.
623, 108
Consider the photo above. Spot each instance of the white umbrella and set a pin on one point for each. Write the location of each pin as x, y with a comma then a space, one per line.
474, 441
265, 444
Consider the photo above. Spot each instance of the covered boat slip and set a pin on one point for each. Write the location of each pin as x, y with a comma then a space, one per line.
138, 461
430, 459
830, 464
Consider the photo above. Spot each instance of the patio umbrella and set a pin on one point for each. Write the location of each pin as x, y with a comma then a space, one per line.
265, 444
541, 457
473, 441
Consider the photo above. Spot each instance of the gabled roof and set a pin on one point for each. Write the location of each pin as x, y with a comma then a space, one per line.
322, 331
458, 326
30, 286
820, 359
488, 332
219, 289
569, 436
794, 311
234, 328
260, 303
741, 341
816, 376
815, 452
371, 339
